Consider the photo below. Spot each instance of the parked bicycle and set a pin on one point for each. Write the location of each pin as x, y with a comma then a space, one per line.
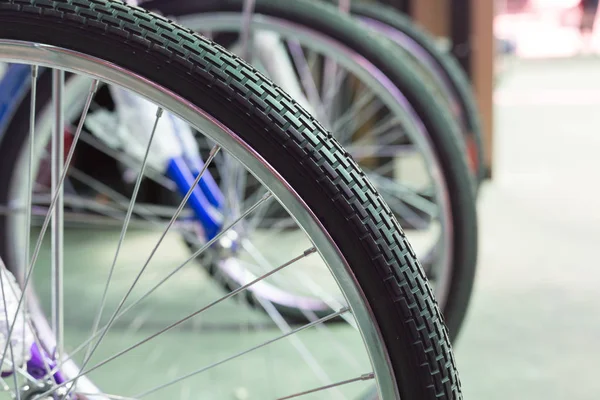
394, 136
264, 173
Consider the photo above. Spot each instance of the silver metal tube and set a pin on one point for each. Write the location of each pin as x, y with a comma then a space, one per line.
57, 242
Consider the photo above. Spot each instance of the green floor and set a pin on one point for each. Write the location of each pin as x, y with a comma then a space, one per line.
533, 328
214, 335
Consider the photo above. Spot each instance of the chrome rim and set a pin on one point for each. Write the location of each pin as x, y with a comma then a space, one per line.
53, 57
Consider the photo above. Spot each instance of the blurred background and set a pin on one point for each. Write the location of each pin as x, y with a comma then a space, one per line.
532, 327
533, 323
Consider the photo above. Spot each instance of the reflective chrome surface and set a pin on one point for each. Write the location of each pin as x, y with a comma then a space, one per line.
49, 56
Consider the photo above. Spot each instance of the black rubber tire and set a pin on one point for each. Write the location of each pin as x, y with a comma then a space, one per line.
438, 121
454, 74
303, 153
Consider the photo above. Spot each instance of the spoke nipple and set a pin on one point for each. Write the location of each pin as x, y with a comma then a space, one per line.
34, 71
366, 377
267, 196
214, 151
310, 251
343, 310
159, 112
94, 86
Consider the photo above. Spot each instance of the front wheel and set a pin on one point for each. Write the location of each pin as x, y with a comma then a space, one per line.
348, 227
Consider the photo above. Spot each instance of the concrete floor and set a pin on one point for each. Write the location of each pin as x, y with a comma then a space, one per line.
212, 336
533, 329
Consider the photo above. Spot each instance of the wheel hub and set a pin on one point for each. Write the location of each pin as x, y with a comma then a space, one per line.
31, 390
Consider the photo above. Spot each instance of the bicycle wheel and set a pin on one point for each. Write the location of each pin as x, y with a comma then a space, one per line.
319, 29
304, 169
448, 274
441, 68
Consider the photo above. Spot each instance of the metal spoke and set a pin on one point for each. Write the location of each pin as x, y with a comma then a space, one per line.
404, 193
241, 180
121, 200
307, 80
57, 238
173, 272
38, 343
8, 339
38, 246
299, 276
344, 133
253, 223
332, 90
365, 377
306, 253
264, 264
30, 177
263, 344
260, 260
349, 114
27, 320
116, 210
341, 349
379, 150
330, 75
378, 133
331, 80
19, 371
246, 34
298, 344
22, 371
138, 183
93, 347
233, 177
129, 161
150, 213
112, 220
